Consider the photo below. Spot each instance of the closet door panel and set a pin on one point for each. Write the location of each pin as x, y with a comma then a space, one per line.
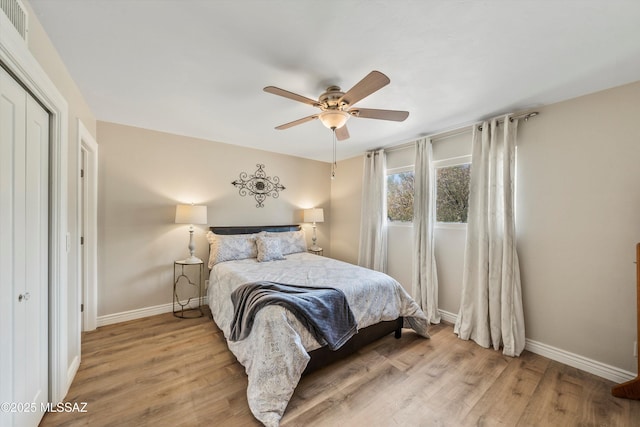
12, 277
36, 375
24, 355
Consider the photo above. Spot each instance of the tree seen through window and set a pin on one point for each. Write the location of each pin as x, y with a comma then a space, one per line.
452, 197
400, 197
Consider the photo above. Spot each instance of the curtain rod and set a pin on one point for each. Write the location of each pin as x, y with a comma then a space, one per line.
463, 128
524, 116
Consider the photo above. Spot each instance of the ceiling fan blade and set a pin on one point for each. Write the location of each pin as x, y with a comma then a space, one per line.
342, 133
370, 113
297, 122
281, 92
373, 81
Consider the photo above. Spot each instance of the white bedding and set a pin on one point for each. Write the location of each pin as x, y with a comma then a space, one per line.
275, 353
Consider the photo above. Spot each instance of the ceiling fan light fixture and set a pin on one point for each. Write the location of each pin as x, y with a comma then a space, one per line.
336, 105
334, 119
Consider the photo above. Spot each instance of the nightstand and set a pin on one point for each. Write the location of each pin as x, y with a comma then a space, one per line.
187, 290
316, 251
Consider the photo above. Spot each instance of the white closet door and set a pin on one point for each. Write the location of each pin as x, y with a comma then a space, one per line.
24, 142
12, 114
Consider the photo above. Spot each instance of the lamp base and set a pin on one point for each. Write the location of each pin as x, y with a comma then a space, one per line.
191, 260
315, 247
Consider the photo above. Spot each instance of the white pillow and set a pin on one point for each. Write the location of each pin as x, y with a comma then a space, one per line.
269, 249
231, 247
291, 241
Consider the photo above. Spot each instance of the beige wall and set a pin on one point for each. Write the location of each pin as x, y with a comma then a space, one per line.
578, 210
346, 199
144, 173
578, 220
45, 53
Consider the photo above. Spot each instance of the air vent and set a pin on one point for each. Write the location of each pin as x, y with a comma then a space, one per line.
17, 15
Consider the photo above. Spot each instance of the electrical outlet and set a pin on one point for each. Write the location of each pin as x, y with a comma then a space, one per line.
206, 284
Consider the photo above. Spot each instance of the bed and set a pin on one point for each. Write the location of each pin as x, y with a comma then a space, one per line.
279, 349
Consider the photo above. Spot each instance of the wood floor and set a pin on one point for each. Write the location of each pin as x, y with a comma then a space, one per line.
164, 371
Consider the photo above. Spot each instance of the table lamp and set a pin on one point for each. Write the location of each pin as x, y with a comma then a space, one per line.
314, 215
191, 214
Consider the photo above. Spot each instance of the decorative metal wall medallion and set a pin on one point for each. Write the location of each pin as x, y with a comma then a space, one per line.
259, 185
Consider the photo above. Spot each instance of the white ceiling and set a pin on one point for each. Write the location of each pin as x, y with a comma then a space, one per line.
198, 67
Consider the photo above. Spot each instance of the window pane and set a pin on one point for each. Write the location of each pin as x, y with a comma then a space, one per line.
400, 197
453, 193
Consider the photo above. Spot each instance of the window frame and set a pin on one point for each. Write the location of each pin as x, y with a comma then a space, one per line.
447, 163
394, 171
443, 163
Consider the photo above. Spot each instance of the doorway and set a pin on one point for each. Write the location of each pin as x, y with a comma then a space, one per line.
88, 227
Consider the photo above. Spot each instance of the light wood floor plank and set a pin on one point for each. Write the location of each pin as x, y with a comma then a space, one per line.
505, 401
162, 370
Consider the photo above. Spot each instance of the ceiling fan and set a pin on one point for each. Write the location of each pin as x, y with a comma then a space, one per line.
337, 106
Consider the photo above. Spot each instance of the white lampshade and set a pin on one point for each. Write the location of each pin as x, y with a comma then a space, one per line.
191, 214
334, 119
314, 215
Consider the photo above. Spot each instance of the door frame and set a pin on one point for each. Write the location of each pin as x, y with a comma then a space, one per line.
88, 215
18, 60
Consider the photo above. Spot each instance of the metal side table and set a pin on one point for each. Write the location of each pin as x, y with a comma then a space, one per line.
187, 293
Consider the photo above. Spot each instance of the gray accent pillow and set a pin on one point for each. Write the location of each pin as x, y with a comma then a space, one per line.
269, 249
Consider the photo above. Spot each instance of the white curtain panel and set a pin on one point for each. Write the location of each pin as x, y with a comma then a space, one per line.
373, 225
491, 311
425, 273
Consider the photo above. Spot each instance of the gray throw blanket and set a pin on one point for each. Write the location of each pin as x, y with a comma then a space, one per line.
324, 312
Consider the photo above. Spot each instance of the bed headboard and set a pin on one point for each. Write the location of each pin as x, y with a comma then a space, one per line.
250, 229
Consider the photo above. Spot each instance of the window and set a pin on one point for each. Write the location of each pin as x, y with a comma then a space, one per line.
452, 190
400, 194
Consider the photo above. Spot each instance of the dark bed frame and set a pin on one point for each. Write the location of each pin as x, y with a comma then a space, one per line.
324, 356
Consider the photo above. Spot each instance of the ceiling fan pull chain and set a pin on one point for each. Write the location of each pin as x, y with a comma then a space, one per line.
334, 165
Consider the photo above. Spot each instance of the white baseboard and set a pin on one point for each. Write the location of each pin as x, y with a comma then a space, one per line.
571, 359
448, 317
580, 362
139, 313
71, 372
